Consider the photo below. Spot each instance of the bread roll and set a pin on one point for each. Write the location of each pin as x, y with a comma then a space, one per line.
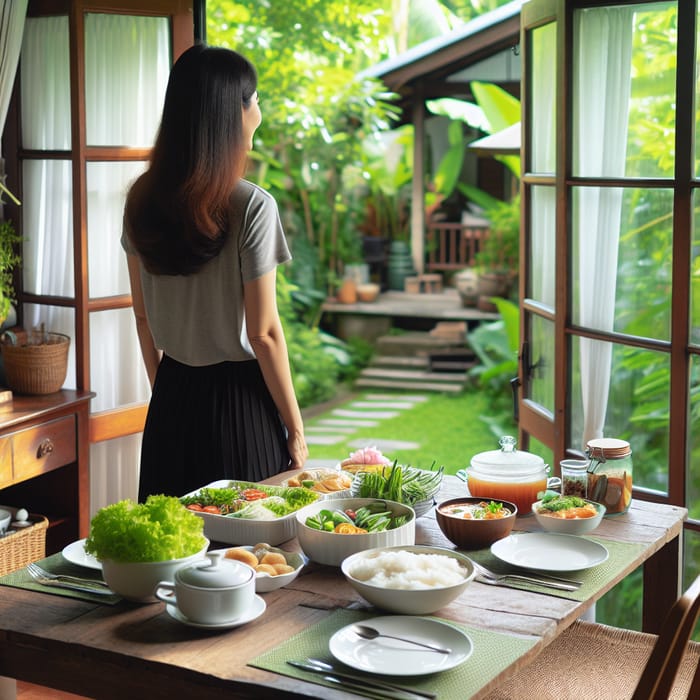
283, 569
273, 558
266, 569
243, 555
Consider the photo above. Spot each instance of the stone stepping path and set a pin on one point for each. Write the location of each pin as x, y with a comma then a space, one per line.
367, 412
345, 413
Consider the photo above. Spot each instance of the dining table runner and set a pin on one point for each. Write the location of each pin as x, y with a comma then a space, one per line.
492, 652
620, 555
58, 564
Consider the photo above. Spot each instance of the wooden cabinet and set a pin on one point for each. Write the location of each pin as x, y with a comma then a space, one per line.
44, 461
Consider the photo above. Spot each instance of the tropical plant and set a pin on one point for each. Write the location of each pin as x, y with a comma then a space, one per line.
500, 250
387, 173
9, 259
496, 346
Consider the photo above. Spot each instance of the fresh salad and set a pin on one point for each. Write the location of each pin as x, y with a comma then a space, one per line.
249, 501
374, 517
157, 530
403, 484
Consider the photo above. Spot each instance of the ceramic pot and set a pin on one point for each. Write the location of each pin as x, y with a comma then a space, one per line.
214, 591
400, 264
347, 294
467, 285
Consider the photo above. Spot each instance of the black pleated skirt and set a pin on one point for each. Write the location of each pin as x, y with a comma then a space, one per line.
209, 423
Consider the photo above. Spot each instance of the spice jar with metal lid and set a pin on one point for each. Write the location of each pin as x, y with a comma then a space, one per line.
574, 477
610, 474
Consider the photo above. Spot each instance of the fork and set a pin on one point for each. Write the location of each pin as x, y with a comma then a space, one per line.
549, 581
42, 576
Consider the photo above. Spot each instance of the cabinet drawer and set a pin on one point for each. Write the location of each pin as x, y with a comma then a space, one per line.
5, 461
46, 447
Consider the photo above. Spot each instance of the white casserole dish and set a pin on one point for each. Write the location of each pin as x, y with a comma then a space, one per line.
222, 528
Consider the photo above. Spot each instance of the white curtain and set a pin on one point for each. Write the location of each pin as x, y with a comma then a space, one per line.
127, 66
603, 51
542, 132
12, 14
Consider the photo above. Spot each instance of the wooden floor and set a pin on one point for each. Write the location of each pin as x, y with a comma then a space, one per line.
443, 306
26, 691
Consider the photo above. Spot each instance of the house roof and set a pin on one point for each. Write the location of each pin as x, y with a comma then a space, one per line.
431, 63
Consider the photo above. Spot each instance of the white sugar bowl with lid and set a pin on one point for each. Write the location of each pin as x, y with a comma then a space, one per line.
509, 474
214, 590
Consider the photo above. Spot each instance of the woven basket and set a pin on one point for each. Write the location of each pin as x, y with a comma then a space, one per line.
19, 547
36, 368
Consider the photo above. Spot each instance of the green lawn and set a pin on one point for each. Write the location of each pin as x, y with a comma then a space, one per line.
449, 429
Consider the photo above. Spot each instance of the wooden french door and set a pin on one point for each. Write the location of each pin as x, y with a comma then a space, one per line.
84, 113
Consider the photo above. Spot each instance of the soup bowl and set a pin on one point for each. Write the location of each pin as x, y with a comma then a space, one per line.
456, 518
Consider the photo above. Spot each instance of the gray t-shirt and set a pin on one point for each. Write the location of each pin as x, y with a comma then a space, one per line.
199, 319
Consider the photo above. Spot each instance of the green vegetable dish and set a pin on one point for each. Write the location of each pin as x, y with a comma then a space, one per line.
374, 517
403, 484
157, 530
249, 501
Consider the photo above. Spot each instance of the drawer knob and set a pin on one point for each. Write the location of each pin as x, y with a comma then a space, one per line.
45, 448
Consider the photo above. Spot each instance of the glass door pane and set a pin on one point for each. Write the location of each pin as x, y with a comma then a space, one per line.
127, 63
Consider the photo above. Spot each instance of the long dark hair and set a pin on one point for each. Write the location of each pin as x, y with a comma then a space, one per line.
177, 210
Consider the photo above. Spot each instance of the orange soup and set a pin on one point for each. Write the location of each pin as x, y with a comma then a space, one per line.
523, 494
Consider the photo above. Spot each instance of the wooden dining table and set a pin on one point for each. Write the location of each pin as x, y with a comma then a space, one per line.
131, 650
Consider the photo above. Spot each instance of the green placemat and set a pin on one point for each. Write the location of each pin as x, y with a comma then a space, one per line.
58, 564
621, 554
492, 653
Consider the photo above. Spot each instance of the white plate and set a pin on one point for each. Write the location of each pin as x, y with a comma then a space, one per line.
256, 610
393, 657
76, 554
549, 551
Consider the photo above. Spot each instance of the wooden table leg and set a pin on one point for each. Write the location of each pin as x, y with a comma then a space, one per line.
662, 584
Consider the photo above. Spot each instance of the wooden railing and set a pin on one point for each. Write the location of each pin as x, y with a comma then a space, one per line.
452, 246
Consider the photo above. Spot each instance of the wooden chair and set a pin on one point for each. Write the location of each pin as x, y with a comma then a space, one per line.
591, 660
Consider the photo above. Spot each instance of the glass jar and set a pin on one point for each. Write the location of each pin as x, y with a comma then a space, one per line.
509, 474
574, 477
610, 474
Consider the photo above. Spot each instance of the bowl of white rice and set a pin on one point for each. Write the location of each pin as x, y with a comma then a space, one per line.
410, 580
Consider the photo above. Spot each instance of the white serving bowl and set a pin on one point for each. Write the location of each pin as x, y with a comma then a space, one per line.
265, 582
5, 518
570, 526
406, 601
331, 548
222, 528
138, 581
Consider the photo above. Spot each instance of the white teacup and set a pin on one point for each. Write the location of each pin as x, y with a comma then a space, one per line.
212, 591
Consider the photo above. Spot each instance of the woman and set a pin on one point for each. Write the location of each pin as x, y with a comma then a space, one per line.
202, 247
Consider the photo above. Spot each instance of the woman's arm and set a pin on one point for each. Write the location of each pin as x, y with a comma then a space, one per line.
151, 354
265, 333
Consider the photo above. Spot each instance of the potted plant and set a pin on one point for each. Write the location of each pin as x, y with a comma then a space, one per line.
497, 259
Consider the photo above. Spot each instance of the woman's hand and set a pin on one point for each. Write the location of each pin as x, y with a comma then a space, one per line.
298, 451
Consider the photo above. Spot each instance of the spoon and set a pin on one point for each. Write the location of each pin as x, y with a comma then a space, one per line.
367, 632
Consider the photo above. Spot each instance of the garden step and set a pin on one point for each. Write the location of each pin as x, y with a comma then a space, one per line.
400, 361
414, 343
413, 374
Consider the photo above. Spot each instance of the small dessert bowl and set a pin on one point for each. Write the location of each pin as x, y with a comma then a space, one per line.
213, 591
